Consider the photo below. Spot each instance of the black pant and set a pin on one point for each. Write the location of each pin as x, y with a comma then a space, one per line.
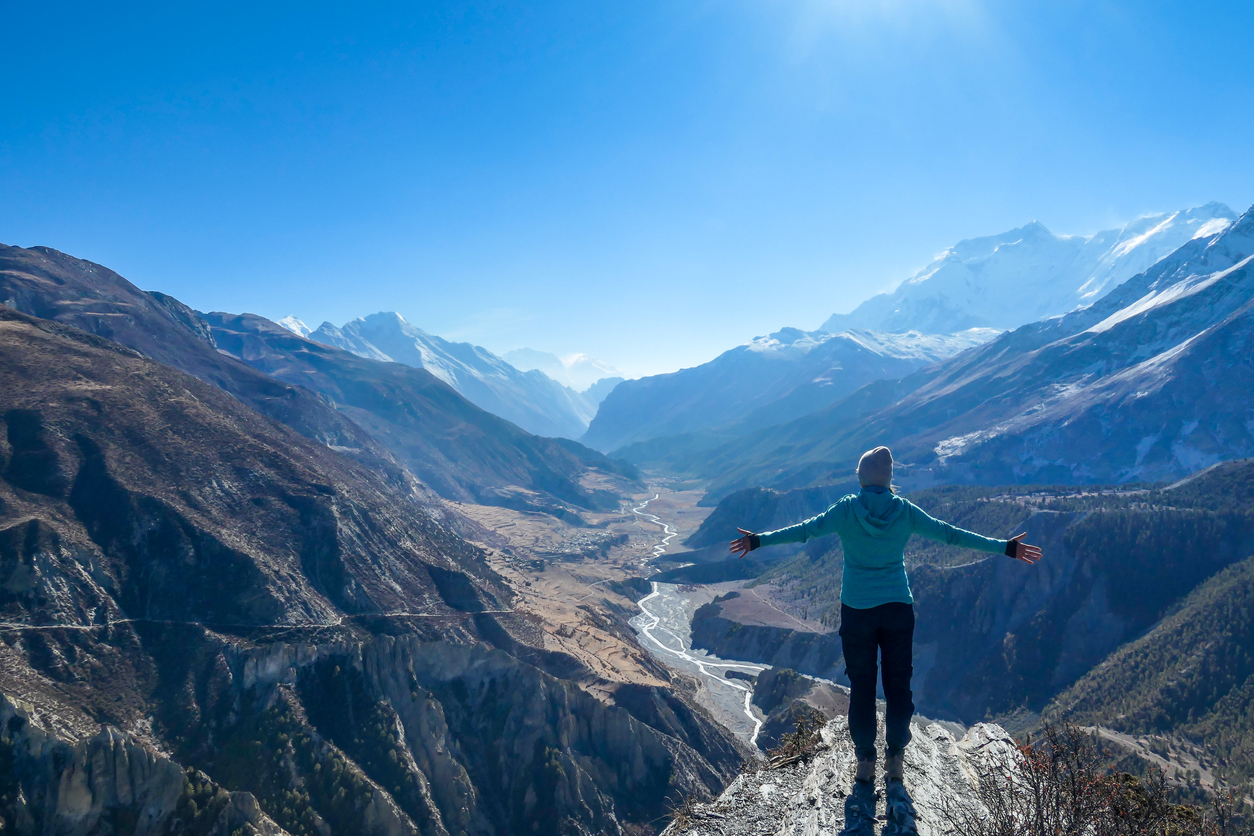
888, 630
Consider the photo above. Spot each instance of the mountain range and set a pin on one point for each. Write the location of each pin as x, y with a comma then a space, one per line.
530, 399
1028, 274
578, 371
1147, 383
763, 382
379, 413
459, 450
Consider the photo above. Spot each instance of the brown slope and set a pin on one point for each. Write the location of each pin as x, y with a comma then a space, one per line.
460, 450
186, 505
48, 284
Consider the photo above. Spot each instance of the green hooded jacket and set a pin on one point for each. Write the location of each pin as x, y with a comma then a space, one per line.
874, 526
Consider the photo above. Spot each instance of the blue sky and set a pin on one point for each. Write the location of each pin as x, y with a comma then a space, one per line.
647, 182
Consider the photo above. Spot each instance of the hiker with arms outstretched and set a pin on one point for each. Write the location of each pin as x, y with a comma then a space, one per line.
876, 606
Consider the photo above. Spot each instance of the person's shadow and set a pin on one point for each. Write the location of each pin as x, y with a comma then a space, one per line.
898, 809
860, 810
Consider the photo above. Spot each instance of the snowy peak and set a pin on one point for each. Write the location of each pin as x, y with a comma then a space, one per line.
531, 400
1028, 274
297, 327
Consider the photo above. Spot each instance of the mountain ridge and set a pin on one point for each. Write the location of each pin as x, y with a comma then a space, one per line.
748, 386
530, 399
1027, 274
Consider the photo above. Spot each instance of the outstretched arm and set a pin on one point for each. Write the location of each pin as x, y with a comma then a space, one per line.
923, 523
816, 526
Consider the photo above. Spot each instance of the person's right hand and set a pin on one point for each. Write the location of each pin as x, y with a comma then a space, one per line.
741, 546
1029, 554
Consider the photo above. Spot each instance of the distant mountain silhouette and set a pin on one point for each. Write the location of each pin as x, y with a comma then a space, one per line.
768, 380
460, 450
530, 399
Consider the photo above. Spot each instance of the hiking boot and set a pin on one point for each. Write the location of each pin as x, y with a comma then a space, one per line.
866, 771
895, 767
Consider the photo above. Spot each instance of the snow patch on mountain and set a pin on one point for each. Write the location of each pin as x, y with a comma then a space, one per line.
791, 343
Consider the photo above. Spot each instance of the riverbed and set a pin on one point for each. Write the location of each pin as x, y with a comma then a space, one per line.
664, 628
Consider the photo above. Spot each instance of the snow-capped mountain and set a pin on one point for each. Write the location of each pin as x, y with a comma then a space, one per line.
297, 327
530, 399
1028, 274
768, 380
1151, 382
577, 371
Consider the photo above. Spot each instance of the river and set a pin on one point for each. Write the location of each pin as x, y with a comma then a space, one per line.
664, 627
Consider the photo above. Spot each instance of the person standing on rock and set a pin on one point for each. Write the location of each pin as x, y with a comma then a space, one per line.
876, 606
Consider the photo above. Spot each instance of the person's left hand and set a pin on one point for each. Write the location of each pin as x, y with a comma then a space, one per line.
741, 546
1029, 554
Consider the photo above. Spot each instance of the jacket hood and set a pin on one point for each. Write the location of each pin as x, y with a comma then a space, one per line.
876, 512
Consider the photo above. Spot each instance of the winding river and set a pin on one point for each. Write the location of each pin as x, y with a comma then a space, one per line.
664, 628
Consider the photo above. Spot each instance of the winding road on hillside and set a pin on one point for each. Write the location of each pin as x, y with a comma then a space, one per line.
664, 627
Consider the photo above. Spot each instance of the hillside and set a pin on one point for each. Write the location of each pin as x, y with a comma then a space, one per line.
530, 399
200, 605
391, 418
43, 282
1139, 386
1191, 678
788, 373
460, 450
1027, 274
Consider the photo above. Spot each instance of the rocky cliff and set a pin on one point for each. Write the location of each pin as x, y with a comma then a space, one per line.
820, 796
108, 783
813, 653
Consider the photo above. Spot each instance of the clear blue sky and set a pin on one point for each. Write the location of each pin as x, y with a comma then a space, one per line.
647, 182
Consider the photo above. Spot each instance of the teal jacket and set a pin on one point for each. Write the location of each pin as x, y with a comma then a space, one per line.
874, 526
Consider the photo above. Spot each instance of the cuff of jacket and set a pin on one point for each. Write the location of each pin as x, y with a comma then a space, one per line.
1011, 548
755, 542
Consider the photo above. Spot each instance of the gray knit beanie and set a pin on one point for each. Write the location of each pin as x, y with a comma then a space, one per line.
876, 467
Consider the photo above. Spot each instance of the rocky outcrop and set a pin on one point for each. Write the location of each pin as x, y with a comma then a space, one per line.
820, 796
788, 699
108, 783
816, 654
